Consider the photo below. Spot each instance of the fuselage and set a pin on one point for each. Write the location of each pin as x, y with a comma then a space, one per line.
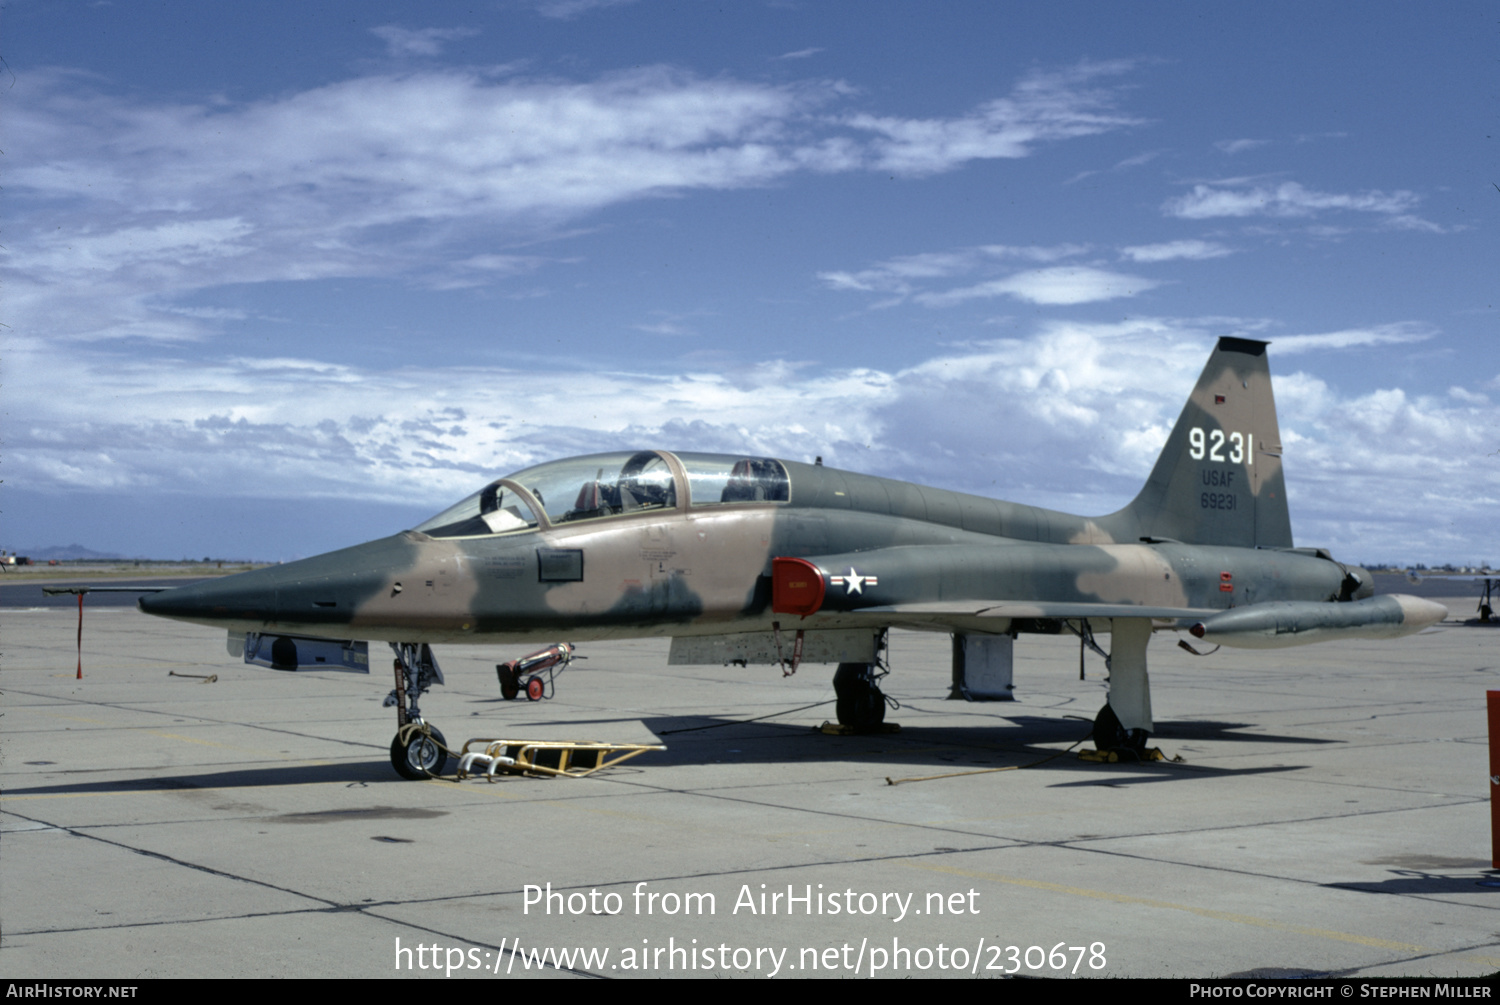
653, 543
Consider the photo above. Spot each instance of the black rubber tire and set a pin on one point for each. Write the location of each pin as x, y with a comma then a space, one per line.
1109, 734
860, 703
421, 759
509, 686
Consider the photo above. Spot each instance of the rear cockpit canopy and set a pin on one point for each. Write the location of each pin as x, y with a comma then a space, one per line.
601, 486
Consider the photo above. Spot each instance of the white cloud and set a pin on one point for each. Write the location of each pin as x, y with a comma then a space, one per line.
1125, 165
1170, 250
566, 10
182, 243
1069, 416
668, 323
800, 54
1406, 221
1390, 334
1391, 474
1062, 284
902, 275
1239, 146
401, 175
1469, 397
1044, 106
913, 276
421, 41
330, 427
1289, 199
210, 313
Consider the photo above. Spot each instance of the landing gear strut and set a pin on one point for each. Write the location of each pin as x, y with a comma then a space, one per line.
861, 704
1129, 692
419, 750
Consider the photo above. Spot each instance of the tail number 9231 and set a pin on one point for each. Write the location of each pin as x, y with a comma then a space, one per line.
1221, 447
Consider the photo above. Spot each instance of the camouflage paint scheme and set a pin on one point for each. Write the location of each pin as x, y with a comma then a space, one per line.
1209, 531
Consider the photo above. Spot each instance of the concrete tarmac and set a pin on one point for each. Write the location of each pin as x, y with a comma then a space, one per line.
1330, 817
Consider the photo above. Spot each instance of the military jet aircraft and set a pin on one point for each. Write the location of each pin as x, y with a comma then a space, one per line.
743, 559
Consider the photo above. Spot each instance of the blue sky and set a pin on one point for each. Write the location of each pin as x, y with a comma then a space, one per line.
282, 277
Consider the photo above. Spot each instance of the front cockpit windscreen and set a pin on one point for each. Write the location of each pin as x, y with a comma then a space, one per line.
494, 509
601, 485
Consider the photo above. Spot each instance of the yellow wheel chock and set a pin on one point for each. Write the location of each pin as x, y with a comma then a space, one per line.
1114, 756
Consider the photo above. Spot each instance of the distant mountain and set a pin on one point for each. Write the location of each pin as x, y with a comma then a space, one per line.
68, 552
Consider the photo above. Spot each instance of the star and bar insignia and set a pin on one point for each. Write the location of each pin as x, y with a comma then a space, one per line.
853, 582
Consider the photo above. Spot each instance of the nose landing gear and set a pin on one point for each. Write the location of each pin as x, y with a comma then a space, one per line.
419, 750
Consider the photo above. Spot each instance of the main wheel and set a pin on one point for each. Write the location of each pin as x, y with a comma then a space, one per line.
1109, 734
860, 701
421, 758
534, 689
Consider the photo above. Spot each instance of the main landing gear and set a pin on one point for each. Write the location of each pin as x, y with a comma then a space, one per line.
419, 750
1124, 724
861, 704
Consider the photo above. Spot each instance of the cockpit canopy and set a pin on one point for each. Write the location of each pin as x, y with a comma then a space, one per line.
600, 486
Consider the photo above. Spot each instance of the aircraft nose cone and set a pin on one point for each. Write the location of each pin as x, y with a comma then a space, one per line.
325, 590
218, 599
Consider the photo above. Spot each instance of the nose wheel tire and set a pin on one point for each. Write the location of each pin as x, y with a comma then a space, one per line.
420, 757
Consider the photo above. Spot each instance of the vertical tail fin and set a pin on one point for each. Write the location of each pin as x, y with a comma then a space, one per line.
1219, 480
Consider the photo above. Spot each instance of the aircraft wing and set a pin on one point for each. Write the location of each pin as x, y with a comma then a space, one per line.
995, 615
940, 612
